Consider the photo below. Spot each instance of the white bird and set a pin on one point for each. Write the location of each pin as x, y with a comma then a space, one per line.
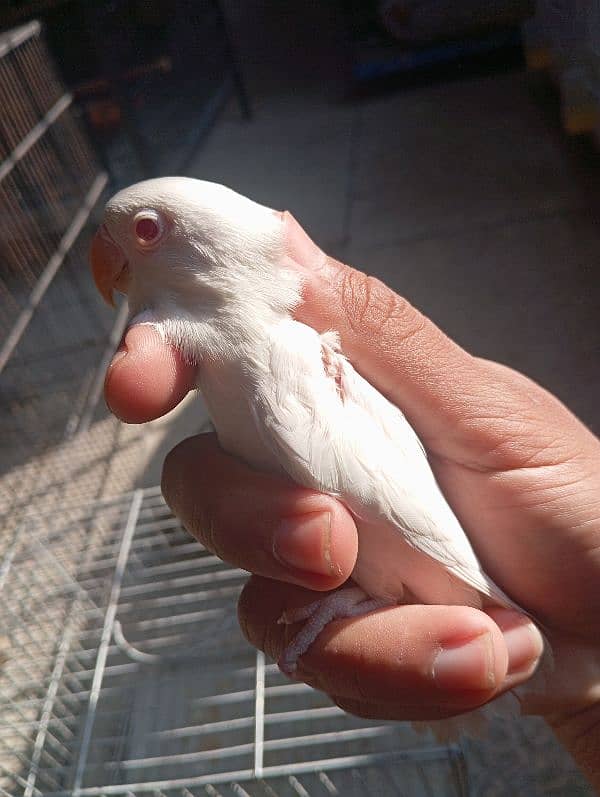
205, 266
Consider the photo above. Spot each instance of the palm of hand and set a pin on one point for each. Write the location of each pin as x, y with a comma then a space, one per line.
528, 493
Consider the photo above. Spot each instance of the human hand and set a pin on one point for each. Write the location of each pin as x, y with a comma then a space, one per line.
520, 471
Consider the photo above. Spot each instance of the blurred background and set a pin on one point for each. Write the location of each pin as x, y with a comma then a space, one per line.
450, 148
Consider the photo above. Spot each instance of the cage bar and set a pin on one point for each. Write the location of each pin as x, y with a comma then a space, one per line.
195, 711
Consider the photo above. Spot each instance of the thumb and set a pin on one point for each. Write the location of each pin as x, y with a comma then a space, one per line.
147, 377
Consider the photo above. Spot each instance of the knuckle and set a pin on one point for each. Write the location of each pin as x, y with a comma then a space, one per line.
373, 309
256, 624
171, 481
199, 511
354, 291
204, 523
168, 479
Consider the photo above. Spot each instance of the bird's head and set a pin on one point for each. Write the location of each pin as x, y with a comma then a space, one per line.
185, 248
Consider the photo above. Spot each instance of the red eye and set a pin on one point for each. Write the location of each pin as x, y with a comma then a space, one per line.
148, 227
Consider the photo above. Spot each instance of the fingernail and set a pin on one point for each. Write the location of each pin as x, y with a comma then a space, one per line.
304, 543
468, 666
524, 642
119, 354
121, 351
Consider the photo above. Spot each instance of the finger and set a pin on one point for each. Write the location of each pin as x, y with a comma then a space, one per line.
146, 378
258, 521
465, 408
440, 657
393, 711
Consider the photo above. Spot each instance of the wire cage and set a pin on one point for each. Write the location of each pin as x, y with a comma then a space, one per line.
166, 74
125, 673
56, 336
53, 328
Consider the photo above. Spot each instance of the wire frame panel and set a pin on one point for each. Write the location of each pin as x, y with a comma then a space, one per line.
53, 328
126, 673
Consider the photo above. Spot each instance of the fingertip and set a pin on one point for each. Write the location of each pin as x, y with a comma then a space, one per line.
523, 642
428, 660
471, 661
317, 543
147, 377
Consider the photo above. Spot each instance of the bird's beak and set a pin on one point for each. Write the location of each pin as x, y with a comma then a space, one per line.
109, 265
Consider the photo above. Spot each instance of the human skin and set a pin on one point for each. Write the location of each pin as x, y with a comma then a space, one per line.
520, 471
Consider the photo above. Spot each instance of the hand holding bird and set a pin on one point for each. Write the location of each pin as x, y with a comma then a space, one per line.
517, 468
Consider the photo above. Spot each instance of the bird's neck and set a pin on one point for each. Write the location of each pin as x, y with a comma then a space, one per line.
230, 315
222, 333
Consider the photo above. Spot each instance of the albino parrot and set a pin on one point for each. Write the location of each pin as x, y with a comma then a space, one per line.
205, 266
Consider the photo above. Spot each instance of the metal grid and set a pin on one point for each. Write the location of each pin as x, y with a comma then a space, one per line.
126, 674
53, 328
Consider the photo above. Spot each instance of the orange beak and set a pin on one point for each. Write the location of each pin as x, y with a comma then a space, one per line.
109, 266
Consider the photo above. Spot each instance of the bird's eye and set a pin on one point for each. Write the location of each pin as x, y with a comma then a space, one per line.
148, 227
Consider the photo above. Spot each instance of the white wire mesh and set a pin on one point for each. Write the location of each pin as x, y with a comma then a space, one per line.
126, 673
53, 328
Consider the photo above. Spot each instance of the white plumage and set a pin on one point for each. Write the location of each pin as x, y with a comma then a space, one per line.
283, 397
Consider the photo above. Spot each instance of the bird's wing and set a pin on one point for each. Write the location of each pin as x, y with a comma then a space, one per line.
332, 431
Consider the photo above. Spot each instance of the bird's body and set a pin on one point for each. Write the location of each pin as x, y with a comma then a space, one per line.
283, 397
296, 405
